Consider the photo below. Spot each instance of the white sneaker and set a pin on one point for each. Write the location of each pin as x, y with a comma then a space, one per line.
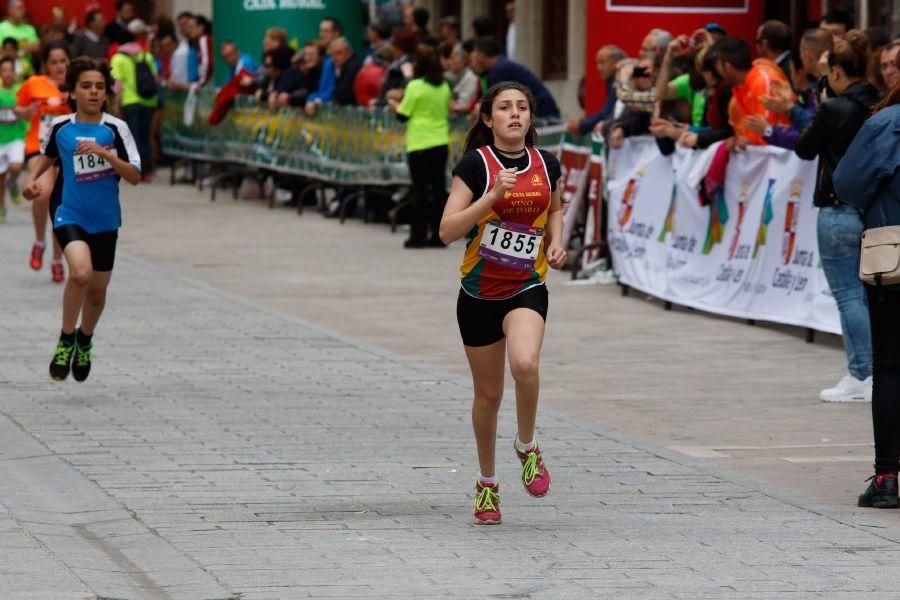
849, 389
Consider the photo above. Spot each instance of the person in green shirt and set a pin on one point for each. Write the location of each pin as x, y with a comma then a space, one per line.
15, 27
426, 109
681, 87
12, 135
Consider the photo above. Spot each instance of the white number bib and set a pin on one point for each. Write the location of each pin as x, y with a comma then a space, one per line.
8, 116
91, 167
512, 245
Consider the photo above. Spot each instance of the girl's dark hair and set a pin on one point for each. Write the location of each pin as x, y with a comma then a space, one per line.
428, 66
83, 64
851, 54
482, 135
50, 47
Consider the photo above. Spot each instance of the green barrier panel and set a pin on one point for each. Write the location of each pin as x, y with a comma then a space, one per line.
345, 145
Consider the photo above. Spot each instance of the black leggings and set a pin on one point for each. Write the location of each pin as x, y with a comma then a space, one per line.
428, 171
884, 315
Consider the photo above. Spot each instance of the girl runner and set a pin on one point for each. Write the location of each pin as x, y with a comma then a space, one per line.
504, 199
93, 150
40, 100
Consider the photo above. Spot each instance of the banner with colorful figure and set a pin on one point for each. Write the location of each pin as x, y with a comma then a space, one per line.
750, 253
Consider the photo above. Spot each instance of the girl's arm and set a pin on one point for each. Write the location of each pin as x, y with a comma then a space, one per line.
461, 214
123, 168
556, 256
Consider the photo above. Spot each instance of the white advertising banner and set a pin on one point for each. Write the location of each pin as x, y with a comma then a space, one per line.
752, 254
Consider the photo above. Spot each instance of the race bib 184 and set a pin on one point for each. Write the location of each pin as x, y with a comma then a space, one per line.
91, 167
512, 245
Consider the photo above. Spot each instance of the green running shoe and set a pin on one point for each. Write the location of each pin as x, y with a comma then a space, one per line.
62, 360
81, 363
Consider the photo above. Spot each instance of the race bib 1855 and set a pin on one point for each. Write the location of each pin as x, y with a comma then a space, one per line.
512, 245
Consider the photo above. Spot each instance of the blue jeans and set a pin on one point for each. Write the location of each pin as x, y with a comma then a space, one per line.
840, 230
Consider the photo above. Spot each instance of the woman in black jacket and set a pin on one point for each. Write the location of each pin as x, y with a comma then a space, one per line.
840, 225
869, 178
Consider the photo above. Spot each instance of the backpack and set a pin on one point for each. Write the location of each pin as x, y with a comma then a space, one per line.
145, 80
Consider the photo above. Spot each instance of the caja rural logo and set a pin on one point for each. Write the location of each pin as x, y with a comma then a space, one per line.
791, 218
626, 210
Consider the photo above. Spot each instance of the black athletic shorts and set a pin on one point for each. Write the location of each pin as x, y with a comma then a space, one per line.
481, 321
102, 244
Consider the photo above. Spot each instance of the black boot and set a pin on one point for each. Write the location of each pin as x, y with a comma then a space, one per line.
881, 493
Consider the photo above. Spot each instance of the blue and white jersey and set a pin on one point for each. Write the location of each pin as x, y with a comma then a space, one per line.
87, 188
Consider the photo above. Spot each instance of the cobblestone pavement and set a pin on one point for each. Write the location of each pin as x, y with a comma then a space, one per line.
222, 449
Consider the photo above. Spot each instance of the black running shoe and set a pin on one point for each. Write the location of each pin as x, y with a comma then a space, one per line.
881, 493
81, 363
62, 360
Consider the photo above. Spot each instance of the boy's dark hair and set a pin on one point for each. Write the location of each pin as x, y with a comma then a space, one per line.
11, 41
483, 26
83, 64
335, 24
840, 17
777, 34
733, 51
488, 46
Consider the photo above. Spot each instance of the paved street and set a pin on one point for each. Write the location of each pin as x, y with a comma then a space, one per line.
278, 409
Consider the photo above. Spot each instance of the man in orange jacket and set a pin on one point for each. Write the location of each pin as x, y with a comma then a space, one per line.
751, 80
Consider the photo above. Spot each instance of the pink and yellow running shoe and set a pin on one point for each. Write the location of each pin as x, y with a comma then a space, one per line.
487, 504
535, 476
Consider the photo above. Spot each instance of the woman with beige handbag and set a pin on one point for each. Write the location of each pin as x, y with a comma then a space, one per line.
868, 177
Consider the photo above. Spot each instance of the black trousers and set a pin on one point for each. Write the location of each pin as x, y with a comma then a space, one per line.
884, 315
428, 171
139, 119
